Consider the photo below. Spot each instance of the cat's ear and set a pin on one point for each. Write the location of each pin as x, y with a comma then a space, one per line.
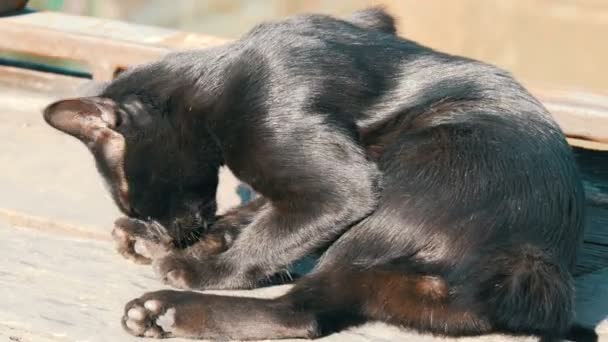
86, 118
93, 120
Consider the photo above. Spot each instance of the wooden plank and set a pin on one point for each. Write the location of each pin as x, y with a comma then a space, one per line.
587, 144
583, 115
65, 289
101, 43
49, 84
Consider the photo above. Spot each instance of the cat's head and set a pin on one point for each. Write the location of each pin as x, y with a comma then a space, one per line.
155, 163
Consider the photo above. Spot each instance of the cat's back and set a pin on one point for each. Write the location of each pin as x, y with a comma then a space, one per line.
318, 41
328, 61
315, 29
378, 75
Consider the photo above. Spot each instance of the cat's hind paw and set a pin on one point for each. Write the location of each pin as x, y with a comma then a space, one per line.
162, 314
148, 319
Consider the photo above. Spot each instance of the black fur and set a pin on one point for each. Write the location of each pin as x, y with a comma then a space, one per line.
441, 195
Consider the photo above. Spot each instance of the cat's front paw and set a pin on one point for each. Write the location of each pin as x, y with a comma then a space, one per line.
164, 314
180, 272
136, 241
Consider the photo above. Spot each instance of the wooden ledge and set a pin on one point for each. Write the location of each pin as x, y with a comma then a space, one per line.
104, 45
582, 115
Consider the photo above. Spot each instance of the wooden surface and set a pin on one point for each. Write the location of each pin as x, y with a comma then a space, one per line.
61, 279
99, 43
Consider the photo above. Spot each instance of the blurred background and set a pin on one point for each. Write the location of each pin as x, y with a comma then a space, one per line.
543, 42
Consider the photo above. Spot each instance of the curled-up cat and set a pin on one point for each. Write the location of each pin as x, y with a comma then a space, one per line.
440, 194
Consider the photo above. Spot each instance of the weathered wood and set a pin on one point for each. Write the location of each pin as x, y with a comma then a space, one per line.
104, 45
49, 84
587, 144
583, 115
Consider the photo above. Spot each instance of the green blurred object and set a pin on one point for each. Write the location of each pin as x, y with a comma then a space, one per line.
55, 5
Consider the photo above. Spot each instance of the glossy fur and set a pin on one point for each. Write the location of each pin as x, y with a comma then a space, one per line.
440, 195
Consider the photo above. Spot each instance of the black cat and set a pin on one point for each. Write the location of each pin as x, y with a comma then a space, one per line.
439, 193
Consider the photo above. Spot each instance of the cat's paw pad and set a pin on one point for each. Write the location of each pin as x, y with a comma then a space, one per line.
135, 242
166, 313
125, 246
178, 272
152, 318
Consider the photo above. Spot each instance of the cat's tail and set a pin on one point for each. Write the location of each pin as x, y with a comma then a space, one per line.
374, 18
526, 290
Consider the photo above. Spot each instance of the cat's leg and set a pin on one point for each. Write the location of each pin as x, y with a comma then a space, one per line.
518, 293
143, 241
318, 305
316, 187
230, 224
416, 264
